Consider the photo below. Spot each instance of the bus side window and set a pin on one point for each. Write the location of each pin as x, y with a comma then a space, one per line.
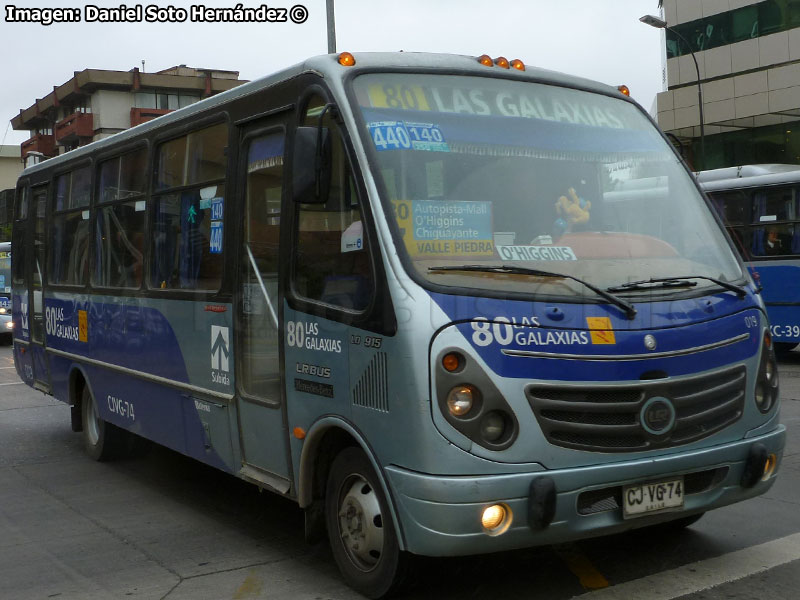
19, 233
119, 235
69, 256
772, 236
332, 262
187, 230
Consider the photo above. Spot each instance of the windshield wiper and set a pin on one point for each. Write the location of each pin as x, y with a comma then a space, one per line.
684, 281
626, 307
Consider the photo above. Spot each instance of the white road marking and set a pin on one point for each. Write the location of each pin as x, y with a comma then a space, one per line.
13, 383
704, 574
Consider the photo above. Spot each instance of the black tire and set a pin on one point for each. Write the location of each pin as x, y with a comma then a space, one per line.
361, 529
102, 440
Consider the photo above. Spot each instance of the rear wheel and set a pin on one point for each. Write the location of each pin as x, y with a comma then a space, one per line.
360, 527
102, 440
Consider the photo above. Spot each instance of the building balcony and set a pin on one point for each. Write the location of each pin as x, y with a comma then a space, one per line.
46, 144
75, 128
142, 115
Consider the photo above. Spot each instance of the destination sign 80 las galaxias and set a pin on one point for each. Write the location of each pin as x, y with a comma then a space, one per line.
506, 99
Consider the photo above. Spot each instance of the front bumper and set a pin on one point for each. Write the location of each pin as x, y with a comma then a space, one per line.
440, 515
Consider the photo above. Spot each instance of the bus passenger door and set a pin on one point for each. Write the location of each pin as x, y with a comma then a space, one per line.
262, 431
35, 278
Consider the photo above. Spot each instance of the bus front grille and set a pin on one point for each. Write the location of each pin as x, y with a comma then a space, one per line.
610, 418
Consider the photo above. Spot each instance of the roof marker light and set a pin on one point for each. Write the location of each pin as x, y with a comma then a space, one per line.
518, 64
346, 59
623, 89
486, 60
502, 61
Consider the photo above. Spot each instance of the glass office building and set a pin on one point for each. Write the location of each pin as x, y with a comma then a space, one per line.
748, 55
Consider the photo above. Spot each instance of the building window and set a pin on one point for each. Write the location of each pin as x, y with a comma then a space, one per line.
747, 22
164, 100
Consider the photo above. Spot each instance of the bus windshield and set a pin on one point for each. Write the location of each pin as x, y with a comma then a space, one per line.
5, 272
484, 171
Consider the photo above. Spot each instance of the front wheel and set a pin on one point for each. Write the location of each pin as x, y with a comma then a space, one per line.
360, 527
102, 440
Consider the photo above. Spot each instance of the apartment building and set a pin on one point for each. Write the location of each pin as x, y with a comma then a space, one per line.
96, 103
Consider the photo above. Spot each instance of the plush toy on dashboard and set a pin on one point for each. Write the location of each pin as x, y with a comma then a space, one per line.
572, 211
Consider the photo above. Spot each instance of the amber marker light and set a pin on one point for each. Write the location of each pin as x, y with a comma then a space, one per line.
299, 433
518, 64
502, 61
346, 59
451, 362
769, 466
623, 89
486, 60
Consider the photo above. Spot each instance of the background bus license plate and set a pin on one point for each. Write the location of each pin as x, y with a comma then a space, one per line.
651, 497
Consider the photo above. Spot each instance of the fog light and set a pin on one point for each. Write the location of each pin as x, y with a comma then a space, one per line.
769, 466
493, 426
460, 400
496, 519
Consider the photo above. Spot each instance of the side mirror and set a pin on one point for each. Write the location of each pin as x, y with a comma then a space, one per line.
311, 165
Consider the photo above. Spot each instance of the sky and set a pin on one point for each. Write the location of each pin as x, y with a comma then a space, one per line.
603, 41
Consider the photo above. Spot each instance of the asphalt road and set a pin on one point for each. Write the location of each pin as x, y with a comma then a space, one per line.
164, 526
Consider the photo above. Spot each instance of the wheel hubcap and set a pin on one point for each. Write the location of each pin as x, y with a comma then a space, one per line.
361, 523
92, 421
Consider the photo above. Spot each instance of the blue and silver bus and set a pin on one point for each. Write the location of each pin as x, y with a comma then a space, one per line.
759, 206
5, 292
450, 305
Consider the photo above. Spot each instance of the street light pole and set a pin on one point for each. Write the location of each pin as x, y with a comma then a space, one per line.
331, 27
661, 24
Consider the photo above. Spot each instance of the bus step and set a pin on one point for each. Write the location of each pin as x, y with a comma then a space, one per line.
264, 479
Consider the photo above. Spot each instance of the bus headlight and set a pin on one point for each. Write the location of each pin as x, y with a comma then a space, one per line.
3, 310
766, 390
461, 399
761, 397
493, 426
470, 402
